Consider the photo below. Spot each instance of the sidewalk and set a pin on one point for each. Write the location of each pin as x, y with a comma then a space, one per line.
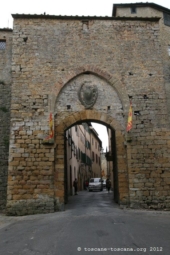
5, 220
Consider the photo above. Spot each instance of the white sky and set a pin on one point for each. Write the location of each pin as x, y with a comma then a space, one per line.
62, 7
101, 130
66, 7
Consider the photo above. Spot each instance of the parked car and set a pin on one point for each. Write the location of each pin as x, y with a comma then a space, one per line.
95, 184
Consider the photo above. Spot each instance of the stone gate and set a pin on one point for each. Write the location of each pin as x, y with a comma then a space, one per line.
124, 58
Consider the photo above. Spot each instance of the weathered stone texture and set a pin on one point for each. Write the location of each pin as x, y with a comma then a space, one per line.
162, 34
5, 98
51, 59
107, 96
149, 177
140, 12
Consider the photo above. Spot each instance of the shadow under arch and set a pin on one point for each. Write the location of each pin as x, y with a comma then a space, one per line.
122, 196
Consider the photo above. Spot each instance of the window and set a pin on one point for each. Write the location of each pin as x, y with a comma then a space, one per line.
88, 161
2, 44
166, 19
96, 158
88, 145
74, 150
79, 154
69, 140
133, 9
74, 171
83, 157
72, 146
82, 139
92, 155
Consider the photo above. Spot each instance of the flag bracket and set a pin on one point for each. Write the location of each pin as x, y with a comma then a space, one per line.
128, 138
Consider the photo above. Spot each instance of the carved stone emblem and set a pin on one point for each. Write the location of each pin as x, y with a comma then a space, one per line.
88, 95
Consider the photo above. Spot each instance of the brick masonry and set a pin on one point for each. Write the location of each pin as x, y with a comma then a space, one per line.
5, 98
51, 59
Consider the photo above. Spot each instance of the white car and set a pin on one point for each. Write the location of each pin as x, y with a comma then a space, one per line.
95, 184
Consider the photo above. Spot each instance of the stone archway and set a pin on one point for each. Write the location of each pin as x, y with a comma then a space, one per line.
42, 176
112, 79
91, 115
108, 109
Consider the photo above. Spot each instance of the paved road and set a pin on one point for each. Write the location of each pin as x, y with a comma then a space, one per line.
91, 221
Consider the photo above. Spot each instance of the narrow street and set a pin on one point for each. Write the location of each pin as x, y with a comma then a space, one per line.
90, 221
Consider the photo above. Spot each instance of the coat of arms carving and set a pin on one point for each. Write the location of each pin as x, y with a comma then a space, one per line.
88, 95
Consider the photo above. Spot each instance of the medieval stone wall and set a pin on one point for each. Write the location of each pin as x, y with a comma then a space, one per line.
150, 150
164, 39
149, 158
49, 53
5, 98
140, 12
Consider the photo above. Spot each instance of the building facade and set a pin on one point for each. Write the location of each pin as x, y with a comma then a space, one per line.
104, 165
83, 148
79, 69
5, 101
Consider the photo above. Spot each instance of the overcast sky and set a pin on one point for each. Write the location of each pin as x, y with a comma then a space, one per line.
102, 132
65, 7
62, 7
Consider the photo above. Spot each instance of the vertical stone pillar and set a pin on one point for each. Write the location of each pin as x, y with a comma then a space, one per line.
122, 170
59, 171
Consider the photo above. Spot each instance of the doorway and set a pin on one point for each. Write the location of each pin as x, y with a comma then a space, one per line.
84, 151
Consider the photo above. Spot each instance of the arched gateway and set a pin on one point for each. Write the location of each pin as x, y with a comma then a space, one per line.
68, 108
74, 69
107, 109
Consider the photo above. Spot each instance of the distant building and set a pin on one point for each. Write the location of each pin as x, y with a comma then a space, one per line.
103, 165
83, 148
108, 155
